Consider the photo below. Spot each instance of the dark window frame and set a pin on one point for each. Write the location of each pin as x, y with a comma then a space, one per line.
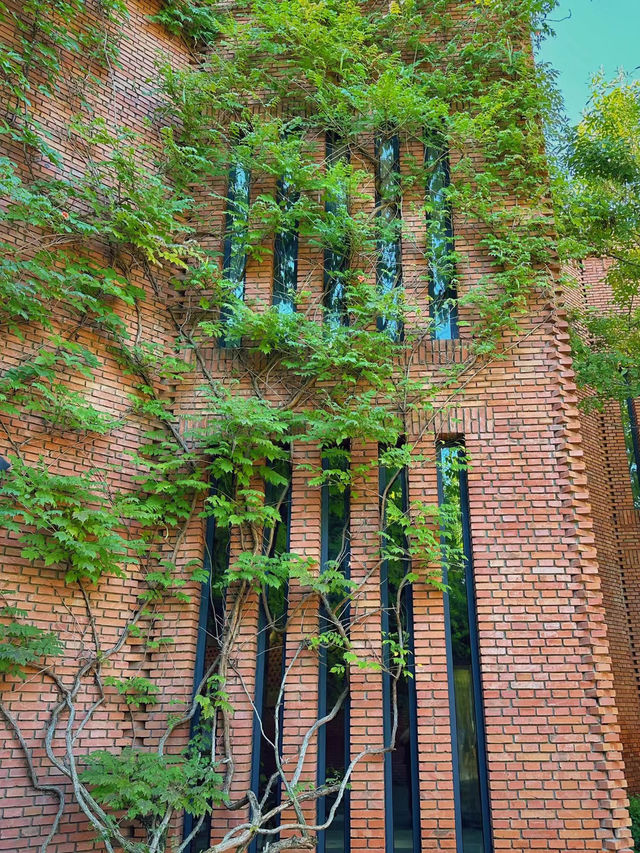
322, 811
632, 445
397, 335
211, 606
436, 153
261, 671
476, 673
227, 254
411, 689
336, 264
286, 242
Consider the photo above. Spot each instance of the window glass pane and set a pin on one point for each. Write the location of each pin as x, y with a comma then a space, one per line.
402, 818
333, 740
442, 292
465, 693
237, 227
336, 754
216, 559
271, 652
285, 254
235, 246
389, 270
336, 257
630, 427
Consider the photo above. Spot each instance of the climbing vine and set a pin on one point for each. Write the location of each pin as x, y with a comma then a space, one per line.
112, 235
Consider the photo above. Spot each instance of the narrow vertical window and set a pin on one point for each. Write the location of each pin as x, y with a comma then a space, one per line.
285, 252
336, 256
270, 658
333, 738
235, 244
632, 442
473, 823
211, 620
442, 291
402, 797
389, 270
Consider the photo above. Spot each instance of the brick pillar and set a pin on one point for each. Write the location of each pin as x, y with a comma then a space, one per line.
437, 818
366, 721
301, 688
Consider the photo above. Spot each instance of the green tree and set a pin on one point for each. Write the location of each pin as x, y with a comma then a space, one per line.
597, 194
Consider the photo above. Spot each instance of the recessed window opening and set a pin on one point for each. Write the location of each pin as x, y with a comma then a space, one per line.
388, 198
440, 245
285, 252
333, 738
211, 621
401, 771
336, 258
471, 792
270, 659
235, 244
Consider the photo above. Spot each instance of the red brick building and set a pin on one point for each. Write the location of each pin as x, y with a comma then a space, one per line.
518, 731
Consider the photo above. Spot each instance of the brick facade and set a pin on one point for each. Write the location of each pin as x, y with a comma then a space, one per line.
551, 573
617, 528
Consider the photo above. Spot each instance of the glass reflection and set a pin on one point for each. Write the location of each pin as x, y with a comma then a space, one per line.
235, 245
389, 269
285, 253
630, 427
336, 257
442, 292
333, 738
465, 690
216, 560
402, 819
271, 653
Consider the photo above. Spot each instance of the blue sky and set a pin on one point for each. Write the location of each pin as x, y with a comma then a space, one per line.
592, 34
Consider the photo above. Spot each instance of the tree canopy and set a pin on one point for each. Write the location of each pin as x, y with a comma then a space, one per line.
597, 195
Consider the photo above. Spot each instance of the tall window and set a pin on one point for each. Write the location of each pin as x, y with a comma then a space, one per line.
442, 292
389, 270
270, 660
285, 252
402, 795
473, 824
632, 442
216, 562
333, 738
336, 257
235, 244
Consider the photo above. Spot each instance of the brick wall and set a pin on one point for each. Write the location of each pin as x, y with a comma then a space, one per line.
123, 95
555, 766
617, 528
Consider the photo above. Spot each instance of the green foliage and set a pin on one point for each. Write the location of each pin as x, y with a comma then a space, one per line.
213, 699
136, 690
144, 785
23, 644
347, 63
65, 521
125, 234
45, 34
195, 22
260, 571
634, 811
34, 387
597, 193
30, 283
421, 529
